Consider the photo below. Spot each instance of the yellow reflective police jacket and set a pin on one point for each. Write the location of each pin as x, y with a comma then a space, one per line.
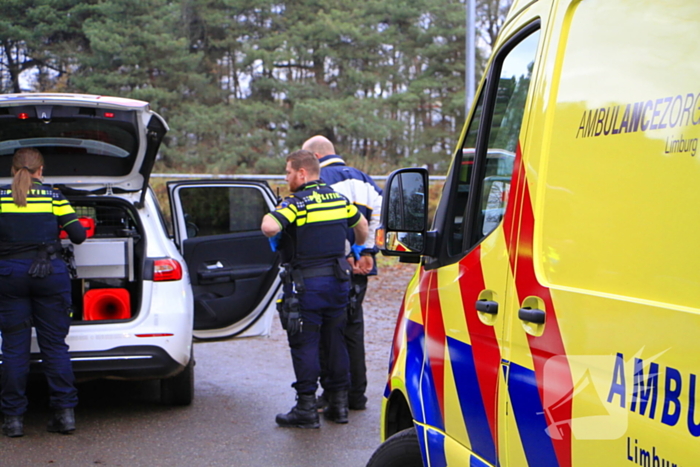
315, 219
36, 223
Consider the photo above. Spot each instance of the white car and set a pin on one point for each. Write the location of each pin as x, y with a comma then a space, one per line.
140, 294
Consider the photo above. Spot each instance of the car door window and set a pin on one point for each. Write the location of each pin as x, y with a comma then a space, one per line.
488, 151
220, 210
233, 272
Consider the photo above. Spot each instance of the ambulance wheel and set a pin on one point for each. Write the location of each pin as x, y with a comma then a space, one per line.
179, 390
400, 450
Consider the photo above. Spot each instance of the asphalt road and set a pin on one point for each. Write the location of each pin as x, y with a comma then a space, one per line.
240, 386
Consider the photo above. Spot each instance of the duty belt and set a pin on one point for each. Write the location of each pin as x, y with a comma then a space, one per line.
296, 276
41, 257
31, 254
318, 272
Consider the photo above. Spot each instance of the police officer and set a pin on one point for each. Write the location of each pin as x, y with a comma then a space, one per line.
363, 192
314, 220
35, 289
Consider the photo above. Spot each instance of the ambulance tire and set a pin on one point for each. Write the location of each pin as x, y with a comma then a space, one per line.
400, 450
179, 389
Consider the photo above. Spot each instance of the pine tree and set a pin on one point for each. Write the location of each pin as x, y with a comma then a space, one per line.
243, 82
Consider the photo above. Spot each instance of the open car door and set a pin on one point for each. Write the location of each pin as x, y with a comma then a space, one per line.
234, 273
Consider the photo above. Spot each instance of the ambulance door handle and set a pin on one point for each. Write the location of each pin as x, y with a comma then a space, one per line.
487, 306
532, 315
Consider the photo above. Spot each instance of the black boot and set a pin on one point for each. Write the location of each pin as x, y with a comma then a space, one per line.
13, 426
302, 415
337, 410
62, 421
357, 402
321, 402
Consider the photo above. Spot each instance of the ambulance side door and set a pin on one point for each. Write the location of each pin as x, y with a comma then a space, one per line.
470, 276
234, 272
513, 80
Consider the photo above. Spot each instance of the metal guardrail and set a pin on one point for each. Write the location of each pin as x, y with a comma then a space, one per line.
381, 178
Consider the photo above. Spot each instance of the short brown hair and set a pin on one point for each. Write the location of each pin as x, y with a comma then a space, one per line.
303, 159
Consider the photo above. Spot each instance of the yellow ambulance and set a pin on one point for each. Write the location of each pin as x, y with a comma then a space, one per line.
554, 317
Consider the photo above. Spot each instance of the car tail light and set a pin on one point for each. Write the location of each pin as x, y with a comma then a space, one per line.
23, 116
166, 270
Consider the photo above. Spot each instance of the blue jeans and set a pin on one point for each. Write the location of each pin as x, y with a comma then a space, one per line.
45, 303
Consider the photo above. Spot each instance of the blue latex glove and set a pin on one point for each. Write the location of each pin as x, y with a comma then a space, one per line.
275, 241
357, 250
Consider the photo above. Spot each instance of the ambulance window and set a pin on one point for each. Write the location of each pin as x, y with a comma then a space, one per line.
489, 147
464, 179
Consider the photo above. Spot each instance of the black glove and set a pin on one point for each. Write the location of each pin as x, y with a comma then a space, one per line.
41, 267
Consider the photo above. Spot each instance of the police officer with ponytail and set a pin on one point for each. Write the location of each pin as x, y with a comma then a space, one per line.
314, 220
35, 291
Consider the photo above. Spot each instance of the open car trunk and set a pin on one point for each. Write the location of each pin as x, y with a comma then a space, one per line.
110, 262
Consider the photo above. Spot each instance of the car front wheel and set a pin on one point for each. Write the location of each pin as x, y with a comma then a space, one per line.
400, 450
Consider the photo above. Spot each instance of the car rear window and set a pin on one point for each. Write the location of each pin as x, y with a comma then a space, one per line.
75, 141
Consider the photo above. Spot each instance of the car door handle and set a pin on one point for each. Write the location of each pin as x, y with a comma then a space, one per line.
232, 274
222, 275
532, 315
487, 306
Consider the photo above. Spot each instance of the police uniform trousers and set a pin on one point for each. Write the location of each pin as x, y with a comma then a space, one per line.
323, 307
355, 342
45, 303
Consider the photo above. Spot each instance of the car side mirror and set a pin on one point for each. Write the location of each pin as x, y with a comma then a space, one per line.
405, 212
